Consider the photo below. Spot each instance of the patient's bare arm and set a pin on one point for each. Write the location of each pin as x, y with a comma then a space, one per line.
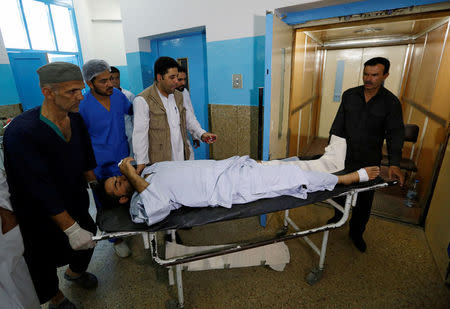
138, 183
8, 220
347, 179
89, 176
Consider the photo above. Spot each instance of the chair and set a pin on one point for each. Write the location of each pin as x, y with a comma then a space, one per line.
411, 134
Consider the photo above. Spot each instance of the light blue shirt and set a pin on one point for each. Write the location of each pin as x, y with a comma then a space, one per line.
203, 183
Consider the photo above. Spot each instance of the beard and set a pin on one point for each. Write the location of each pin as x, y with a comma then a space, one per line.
181, 88
106, 93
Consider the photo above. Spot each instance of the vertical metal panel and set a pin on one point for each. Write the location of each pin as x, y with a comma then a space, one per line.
281, 110
338, 80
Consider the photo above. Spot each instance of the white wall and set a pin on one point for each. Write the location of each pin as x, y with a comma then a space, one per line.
100, 30
224, 20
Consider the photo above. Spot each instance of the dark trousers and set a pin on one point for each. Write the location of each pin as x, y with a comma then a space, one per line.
360, 213
45, 252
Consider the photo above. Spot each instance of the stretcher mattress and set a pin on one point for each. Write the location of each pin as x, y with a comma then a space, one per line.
118, 219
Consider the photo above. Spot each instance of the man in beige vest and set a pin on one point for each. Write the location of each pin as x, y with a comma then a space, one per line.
160, 119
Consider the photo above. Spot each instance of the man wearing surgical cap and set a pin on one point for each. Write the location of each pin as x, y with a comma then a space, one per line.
103, 110
48, 160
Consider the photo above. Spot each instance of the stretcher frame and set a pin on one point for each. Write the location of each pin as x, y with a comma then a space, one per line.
175, 264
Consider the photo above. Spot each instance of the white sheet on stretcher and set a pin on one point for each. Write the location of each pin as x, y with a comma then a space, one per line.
274, 255
333, 160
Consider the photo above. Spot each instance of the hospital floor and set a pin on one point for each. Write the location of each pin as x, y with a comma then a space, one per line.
396, 271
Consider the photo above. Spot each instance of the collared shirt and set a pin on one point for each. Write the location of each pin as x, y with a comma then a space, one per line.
141, 126
366, 125
203, 183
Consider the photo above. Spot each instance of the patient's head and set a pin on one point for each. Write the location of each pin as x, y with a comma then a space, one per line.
115, 190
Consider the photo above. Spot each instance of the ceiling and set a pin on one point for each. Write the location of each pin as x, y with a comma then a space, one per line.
400, 29
314, 4
376, 30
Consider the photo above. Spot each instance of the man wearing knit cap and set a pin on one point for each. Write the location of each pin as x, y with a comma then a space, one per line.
48, 160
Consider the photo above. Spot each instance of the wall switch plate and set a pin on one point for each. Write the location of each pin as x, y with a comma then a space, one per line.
237, 81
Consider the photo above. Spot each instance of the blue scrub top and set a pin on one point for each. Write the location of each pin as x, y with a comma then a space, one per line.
107, 131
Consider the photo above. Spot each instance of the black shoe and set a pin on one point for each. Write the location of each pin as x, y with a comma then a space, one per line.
86, 280
334, 219
65, 304
358, 241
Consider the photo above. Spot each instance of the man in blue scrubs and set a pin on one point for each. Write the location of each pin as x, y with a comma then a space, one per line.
103, 110
48, 160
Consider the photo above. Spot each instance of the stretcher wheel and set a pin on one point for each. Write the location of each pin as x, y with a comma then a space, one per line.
173, 304
314, 276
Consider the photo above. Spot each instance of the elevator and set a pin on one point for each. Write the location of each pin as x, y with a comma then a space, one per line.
327, 57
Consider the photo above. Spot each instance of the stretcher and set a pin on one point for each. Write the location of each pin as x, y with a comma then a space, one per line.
116, 222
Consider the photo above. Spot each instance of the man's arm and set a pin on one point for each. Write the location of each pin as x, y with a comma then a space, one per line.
132, 175
79, 238
8, 220
90, 176
140, 132
89, 159
127, 104
395, 134
192, 124
63, 220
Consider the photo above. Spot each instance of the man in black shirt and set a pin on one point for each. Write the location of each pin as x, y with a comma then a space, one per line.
367, 115
48, 160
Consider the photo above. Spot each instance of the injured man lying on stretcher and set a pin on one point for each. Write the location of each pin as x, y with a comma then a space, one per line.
166, 186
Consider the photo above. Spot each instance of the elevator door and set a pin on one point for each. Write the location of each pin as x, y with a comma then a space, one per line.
343, 70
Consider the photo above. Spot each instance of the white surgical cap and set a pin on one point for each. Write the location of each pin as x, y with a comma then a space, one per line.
94, 67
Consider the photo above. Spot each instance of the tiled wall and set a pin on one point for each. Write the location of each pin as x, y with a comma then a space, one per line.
237, 129
8, 112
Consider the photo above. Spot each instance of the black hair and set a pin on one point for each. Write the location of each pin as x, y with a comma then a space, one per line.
379, 60
163, 64
102, 198
115, 70
182, 69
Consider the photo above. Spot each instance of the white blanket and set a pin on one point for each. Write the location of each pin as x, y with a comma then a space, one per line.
333, 160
